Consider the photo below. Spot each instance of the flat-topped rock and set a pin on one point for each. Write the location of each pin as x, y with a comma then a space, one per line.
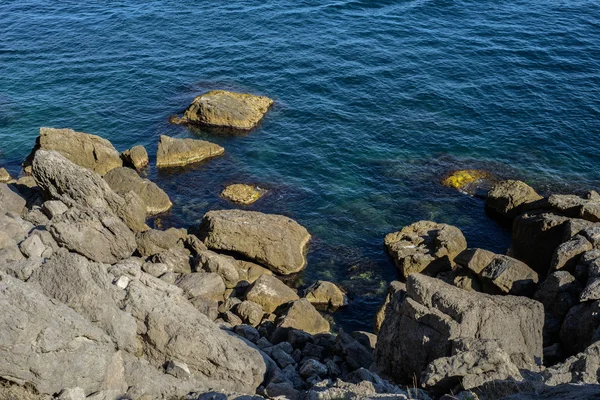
425, 246
242, 194
226, 109
123, 180
507, 198
173, 152
136, 157
274, 241
86, 150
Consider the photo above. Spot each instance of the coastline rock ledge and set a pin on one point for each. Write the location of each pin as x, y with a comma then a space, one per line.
220, 108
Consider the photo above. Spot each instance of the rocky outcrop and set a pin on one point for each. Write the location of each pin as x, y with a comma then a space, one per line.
122, 180
445, 314
242, 194
326, 294
274, 241
269, 292
225, 109
425, 247
576, 207
301, 315
154, 241
10, 200
60, 179
136, 157
508, 198
50, 346
173, 152
224, 266
580, 368
87, 151
498, 273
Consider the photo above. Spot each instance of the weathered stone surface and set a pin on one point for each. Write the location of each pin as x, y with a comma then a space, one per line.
202, 284
443, 314
97, 235
250, 312
507, 198
154, 241
363, 385
174, 330
561, 392
301, 315
123, 180
507, 275
395, 294
21, 269
4, 175
250, 271
536, 235
225, 266
472, 364
87, 288
177, 259
567, 254
50, 346
580, 368
579, 328
425, 247
62, 180
87, 151
136, 157
226, 109
462, 278
353, 352
53, 208
173, 152
274, 241
242, 194
10, 200
576, 207
328, 294
269, 292
470, 181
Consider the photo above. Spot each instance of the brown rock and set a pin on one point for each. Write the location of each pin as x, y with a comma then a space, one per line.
326, 294
301, 315
4, 176
136, 157
123, 180
508, 197
221, 108
242, 194
269, 292
174, 152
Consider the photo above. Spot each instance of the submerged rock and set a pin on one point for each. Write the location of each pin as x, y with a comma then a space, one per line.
471, 181
173, 152
221, 108
242, 194
425, 247
136, 157
274, 241
507, 198
88, 151
123, 180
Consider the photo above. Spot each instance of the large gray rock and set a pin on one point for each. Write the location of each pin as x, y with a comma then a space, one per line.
274, 241
566, 255
49, 345
561, 392
580, 327
154, 241
509, 197
62, 180
443, 314
10, 200
225, 266
395, 295
269, 292
425, 247
136, 157
505, 274
576, 207
97, 235
207, 285
88, 288
123, 180
536, 235
221, 108
173, 152
88, 151
301, 315
177, 259
580, 368
173, 329
326, 294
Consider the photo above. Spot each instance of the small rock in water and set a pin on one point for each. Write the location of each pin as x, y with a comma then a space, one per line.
136, 157
220, 108
242, 193
4, 176
327, 294
471, 181
174, 152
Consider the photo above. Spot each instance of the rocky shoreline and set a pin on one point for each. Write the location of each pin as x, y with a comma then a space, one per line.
98, 305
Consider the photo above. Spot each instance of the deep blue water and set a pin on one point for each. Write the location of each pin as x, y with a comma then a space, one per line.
375, 102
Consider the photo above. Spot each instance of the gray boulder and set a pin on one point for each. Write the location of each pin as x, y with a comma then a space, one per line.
154, 241
326, 294
576, 207
425, 247
269, 292
443, 314
177, 259
580, 368
508, 198
95, 234
300, 315
580, 327
395, 295
274, 241
225, 266
49, 345
123, 180
87, 151
566, 255
10, 200
60, 179
202, 284
136, 157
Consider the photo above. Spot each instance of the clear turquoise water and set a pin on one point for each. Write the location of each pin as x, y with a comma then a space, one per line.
376, 101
